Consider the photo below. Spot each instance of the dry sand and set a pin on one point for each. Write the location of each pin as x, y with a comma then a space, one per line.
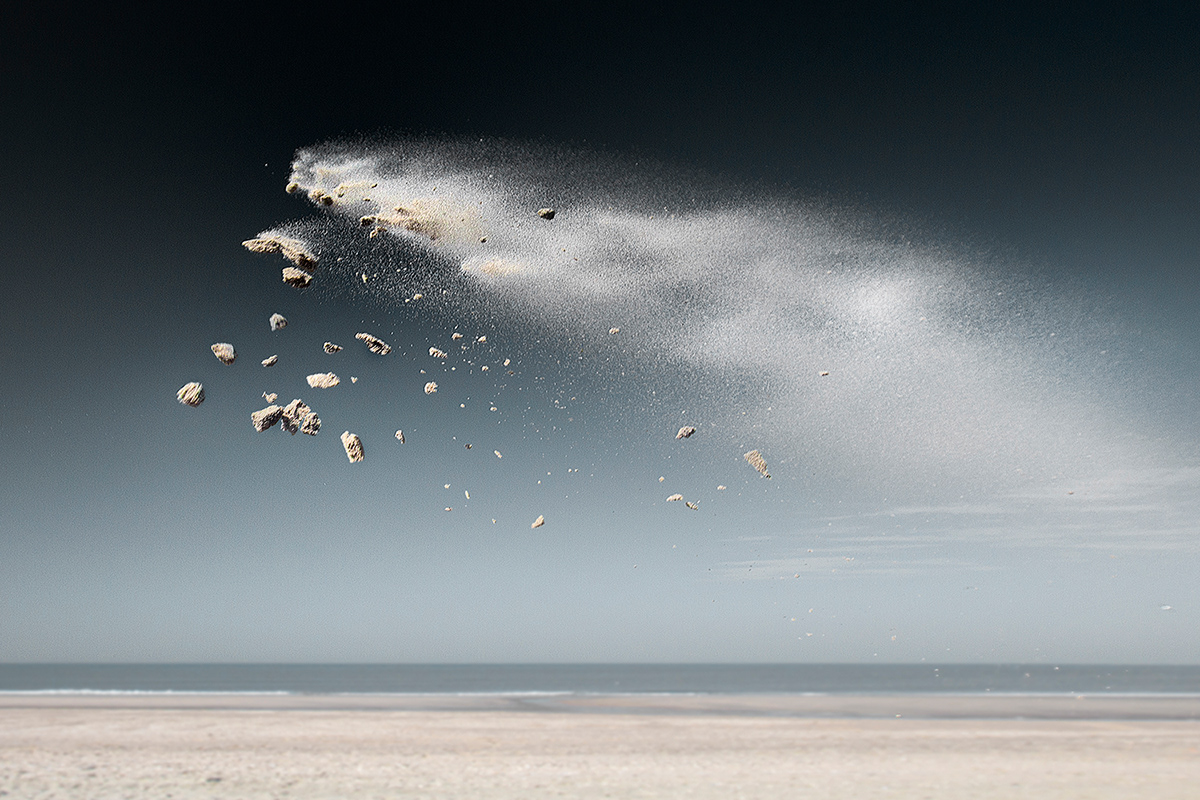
512, 747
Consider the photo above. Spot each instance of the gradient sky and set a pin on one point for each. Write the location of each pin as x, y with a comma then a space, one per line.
1047, 155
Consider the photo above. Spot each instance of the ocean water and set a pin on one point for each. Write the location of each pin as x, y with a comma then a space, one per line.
506, 679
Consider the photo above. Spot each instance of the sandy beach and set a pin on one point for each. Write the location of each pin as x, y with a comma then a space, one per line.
329, 746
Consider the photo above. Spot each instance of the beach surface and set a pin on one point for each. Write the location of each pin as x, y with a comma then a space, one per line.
704, 746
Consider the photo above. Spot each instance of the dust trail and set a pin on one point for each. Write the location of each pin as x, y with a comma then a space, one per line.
828, 341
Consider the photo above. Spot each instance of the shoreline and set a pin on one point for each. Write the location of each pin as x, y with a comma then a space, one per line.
926, 706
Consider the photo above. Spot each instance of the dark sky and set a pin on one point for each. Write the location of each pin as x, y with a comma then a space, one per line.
135, 145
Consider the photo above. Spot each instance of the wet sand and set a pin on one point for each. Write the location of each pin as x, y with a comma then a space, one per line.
330, 746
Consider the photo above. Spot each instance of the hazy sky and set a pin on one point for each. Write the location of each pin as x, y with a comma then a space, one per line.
982, 226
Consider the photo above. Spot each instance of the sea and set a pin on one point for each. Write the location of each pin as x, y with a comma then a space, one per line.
598, 679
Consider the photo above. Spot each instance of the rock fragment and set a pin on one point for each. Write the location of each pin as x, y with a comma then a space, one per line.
614, 330
224, 352
323, 380
270, 397
431, 388
433, 351
456, 336
400, 437
720, 487
685, 432
191, 394
296, 277
376, 345
546, 213
297, 416
675, 498
497, 452
353, 446
824, 373
755, 459
269, 361
332, 348
293, 250
692, 506
278, 321
482, 340
265, 418
539, 522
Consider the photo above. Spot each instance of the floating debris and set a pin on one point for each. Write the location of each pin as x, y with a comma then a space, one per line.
318, 195
224, 352
296, 277
546, 213
323, 380
484, 368
295, 414
191, 394
675, 498
353, 379
400, 437
353, 445
661, 479
431, 388
685, 432
332, 348
267, 417
456, 336
720, 487
418, 296
824, 374
755, 459
311, 425
293, 250
270, 397
468, 446
507, 361
497, 452
269, 361
376, 345
614, 330
692, 506
482, 340
433, 351
292, 188
278, 321
539, 522
466, 494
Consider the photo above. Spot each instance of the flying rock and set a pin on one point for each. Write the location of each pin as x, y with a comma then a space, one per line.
456, 336
675, 498
310, 425
191, 394
431, 388
297, 416
323, 380
278, 321
433, 351
546, 213
755, 459
692, 506
376, 345
267, 417
539, 522
293, 250
685, 432
332, 348
353, 446
270, 397
296, 277
400, 437
614, 330
224, 352
269, 361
